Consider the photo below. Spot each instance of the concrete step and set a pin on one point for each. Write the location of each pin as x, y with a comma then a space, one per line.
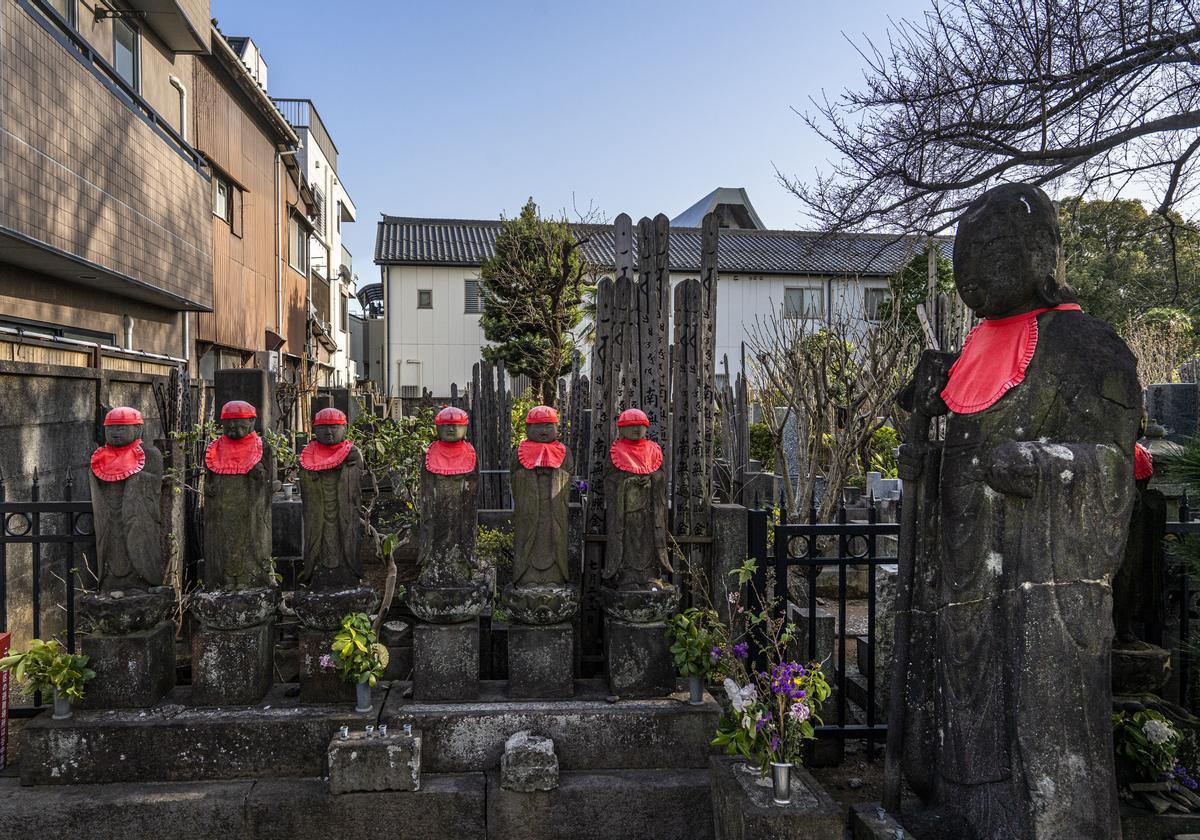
589, 731
177, 742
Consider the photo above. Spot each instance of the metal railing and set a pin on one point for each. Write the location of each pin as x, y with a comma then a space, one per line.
302, 113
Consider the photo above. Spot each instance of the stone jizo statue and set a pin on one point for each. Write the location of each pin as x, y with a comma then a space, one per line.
635, 487
238, 481
126, 482
331, 488
1007, 730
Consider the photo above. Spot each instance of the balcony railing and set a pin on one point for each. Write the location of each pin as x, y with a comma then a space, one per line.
320, 298
301, 113
347, 262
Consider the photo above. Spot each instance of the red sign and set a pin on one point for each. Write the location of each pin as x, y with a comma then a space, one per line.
5, 641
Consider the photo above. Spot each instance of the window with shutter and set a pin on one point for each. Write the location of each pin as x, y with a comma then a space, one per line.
473, 296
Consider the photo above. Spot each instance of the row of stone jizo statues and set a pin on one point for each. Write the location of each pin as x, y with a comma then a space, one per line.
128, 619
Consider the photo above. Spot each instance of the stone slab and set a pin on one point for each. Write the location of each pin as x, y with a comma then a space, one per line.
446, 808
869, 821
362, 762
178, 741
132, 671
638, 659
319, 684
605, 805
1140, 824
541, 661
589, 731
528, 763
232, 667
446, 661
743, 806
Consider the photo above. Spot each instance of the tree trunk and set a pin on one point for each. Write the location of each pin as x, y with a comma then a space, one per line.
550, 392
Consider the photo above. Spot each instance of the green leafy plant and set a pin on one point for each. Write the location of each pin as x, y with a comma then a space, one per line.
48, 667
1146, 744
693, 641
287, 461
357, 651
494, 547
884, 443
762, 445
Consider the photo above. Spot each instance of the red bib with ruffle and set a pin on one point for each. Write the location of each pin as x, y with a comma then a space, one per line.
1143, 463
532, 453
227, 456
636, 456
993, 360
117, 463
317, 456
446, 458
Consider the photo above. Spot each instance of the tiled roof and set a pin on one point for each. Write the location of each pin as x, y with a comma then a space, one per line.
467, 242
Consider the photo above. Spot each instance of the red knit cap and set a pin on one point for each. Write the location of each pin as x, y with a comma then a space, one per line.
123, 416
541, 414
451, 416
238, 410
633, 417
330, 417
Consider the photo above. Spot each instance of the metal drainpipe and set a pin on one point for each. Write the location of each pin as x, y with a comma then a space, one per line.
127, 327
183, 100
387, 335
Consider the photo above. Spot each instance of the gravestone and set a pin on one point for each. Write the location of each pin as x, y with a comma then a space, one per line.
1176, 406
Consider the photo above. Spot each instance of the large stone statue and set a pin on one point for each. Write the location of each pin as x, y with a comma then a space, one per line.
331, 488
126, 480
541, 488
1023, 514
238, 481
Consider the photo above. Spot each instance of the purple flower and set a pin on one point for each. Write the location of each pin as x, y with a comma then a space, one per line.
715, 653
326, 662
800, 712
762, 722
775, 743
741, 650
786, 680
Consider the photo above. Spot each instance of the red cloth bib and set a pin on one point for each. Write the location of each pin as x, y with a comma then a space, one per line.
993, 360
317, 456
445, 458
636, 456
116, 463
532, 454
227, 456
1143, 463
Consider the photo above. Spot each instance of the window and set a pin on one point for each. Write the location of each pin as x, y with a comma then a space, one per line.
474, 299
803, 303
297, 245
875, 303
125, 53
222, 203
424, 298
410, 392
69, 10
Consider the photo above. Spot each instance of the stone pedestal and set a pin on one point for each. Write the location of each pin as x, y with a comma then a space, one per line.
133, 670
540, 661
638, 658
232, 667
362, 762
320, 683
528, 763
1140, 668
446, 661
744, 807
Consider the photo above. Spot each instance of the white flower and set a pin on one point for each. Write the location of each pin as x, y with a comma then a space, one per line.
740, 698
1157, 732
800, 712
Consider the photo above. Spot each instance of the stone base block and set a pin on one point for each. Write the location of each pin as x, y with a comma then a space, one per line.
132, 671
320, 684
232, 667
1140, 668
869, 821
541, 661
528, 763
744, 808
589, 731
364, 762
638, 659
446, 661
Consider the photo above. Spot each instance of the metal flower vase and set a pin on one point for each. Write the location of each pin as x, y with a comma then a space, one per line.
781, 782
695, 691
363, 697
62, 707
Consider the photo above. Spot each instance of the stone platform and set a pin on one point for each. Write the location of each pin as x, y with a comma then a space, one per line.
175, 741
589, 732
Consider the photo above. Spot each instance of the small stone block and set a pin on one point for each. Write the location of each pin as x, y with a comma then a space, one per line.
528, 763
364, 762
638, 659
869, 821
541, 661
232, 667
446, 661
744, 807
132, 671
320, 684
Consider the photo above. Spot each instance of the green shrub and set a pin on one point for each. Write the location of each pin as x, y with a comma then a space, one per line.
47, 667
357, 652
762, 446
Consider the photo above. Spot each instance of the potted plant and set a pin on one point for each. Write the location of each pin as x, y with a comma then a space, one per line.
694, 648
47, 667
773, 705
360, 656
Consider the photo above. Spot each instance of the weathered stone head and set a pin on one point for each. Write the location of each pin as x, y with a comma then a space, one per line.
122, 426
541, 424
330, 426
1007, 253
451, 424
237, 419
633, 424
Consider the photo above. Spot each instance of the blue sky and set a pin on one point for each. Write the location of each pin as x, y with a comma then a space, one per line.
466, 109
